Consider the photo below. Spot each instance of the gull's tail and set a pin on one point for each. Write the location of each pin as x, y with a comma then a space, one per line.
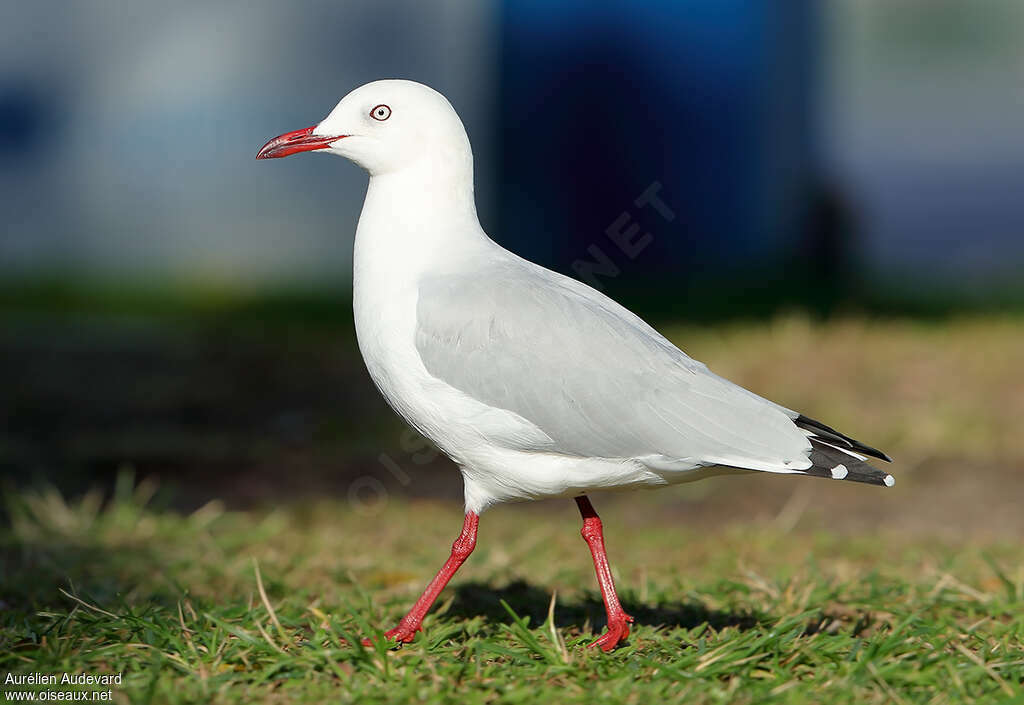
839, 457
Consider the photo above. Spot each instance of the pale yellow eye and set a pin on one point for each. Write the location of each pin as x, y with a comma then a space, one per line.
380, 112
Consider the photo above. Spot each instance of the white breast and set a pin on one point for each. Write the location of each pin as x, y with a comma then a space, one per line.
384, 309
391, 255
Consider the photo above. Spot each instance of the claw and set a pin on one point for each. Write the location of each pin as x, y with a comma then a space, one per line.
617, 632
399, 635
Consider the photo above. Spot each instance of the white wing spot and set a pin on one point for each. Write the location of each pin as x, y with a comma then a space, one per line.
839, 472
889, 480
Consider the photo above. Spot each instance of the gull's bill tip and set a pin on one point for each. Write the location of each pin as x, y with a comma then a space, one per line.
296, 141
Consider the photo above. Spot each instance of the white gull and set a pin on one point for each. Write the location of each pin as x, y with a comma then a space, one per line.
533, 383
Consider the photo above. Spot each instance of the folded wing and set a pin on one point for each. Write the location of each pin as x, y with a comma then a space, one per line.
596, 379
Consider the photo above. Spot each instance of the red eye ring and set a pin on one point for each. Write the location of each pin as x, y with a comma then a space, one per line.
380, 112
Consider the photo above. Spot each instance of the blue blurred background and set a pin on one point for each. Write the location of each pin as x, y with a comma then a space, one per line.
835, 142
835, 156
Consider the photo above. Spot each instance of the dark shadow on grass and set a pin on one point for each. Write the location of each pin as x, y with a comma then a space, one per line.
477, 599
113, 580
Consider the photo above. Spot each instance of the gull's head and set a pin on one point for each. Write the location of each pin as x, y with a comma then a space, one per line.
383, 126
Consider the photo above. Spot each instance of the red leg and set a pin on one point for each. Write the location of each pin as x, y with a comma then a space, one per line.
461, 549
618, 620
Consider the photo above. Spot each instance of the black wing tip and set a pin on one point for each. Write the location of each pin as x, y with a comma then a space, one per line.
877, 478
830, 462
809, 424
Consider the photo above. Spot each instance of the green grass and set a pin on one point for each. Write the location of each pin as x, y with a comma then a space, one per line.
745, 590
748, 614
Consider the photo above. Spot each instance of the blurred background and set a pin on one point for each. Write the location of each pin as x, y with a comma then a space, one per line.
827, 196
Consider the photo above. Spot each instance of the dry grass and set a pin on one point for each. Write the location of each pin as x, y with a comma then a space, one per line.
951, 389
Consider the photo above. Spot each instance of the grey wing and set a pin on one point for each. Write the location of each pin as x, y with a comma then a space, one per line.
596, 379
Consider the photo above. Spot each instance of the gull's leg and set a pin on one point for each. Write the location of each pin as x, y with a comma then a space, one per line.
618, 620
461, 549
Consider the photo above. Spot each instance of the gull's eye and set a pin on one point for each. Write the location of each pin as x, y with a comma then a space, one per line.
381, 112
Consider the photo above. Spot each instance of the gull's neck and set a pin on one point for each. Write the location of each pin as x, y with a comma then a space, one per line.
425, 212
415, 222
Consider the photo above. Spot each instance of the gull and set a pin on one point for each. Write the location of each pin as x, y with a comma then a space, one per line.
533, 383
